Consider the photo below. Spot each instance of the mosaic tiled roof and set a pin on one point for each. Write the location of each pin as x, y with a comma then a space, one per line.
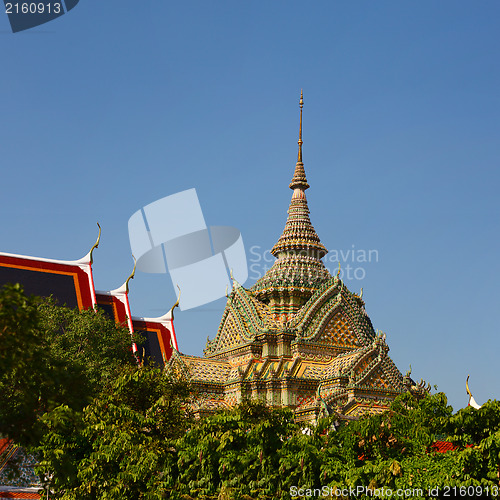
243, 317
343, 363
299, 234
444, 446
13, 457
207, 370
335, 315
295, 272
20, 493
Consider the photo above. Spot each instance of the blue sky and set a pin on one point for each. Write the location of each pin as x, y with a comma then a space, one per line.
117, 104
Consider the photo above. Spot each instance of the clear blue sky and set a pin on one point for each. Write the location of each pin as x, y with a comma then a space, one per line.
119, 103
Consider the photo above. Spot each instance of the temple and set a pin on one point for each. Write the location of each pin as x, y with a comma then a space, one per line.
71, 283
298, 338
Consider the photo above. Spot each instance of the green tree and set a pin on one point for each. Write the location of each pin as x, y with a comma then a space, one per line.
122, 445
106, 428
52, 355
88, 341
29, 377
394, 449
234, 454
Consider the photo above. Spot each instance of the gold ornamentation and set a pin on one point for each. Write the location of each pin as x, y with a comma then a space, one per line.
96, 244
176, 303
131, 277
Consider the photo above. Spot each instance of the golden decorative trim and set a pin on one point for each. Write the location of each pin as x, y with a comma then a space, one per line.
131, 277
96, 244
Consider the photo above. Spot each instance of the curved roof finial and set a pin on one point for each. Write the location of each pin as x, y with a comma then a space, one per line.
176, 303
467, 387
472, 401
301, 104
233, 279
131, 277
96, 244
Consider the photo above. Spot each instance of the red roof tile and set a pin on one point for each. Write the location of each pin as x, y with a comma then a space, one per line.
444, 446
4, 443
20, 495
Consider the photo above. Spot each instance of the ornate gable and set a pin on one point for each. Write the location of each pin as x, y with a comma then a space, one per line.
339, 331
334, 316
244, 317
230, 334
378, 380
177, 368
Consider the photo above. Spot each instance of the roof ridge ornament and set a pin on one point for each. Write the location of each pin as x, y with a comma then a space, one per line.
176, 303
96, 245
234, 280
472, 401
131, 277
124, 287
84, 261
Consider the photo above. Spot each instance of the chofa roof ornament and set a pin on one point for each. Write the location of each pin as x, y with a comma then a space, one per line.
131, 277
96, 244
176, 303
472, 401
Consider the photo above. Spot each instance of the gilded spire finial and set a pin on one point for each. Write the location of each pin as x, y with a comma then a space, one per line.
299, 177
298, 250
301, 104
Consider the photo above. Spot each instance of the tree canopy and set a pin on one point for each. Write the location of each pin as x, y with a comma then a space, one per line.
51, 355
104, 427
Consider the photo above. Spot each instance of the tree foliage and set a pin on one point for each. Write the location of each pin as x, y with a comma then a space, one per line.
88, 342
122, 445
106, 428
236, 451
52, 355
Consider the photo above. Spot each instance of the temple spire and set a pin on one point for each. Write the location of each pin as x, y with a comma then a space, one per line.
299, 234
299, 180
298, 269
301, 104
